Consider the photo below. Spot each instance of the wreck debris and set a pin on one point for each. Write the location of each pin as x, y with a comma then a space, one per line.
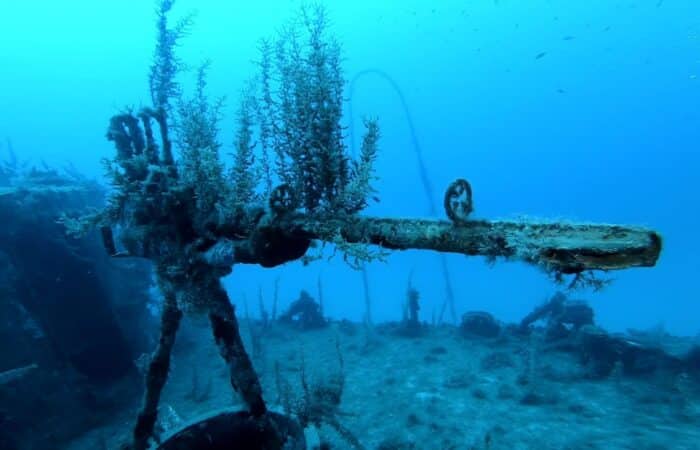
411, 325
563, 316
565, 248
195, 221
479, 324
304, 313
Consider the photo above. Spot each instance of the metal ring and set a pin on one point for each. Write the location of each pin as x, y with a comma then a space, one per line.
458, 201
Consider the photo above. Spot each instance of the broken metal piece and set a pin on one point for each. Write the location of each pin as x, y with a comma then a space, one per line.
240, 429
567, 248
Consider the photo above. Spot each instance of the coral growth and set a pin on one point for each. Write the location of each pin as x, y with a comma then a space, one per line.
294, 111
300, 103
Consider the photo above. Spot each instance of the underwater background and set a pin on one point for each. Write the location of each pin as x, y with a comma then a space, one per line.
553, 110
582, 110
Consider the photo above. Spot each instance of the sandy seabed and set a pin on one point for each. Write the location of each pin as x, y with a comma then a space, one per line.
437, 391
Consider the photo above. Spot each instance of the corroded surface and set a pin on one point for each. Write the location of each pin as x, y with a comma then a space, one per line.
568, 248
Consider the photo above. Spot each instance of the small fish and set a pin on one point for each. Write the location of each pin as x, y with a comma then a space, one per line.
561, 91
14, 374
540, 55
568, 38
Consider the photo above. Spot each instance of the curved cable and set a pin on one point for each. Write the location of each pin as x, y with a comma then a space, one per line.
427, 185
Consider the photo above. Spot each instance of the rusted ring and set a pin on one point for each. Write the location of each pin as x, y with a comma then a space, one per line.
458, 201
282, 199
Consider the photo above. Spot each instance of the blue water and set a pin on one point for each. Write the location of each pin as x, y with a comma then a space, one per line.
584, 110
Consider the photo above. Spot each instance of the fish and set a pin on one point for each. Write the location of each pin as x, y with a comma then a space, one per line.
540, 55
568, 38
14, 374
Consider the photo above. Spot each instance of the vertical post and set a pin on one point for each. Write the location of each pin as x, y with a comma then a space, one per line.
158, 368
368, 300
227, 336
